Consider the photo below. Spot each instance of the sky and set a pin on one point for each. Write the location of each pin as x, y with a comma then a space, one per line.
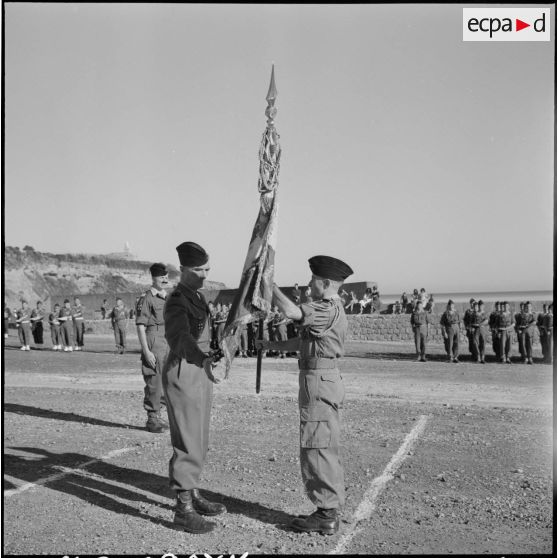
416, 157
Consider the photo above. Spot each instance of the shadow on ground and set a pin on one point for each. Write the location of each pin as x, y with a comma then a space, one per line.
58, 415
97, 486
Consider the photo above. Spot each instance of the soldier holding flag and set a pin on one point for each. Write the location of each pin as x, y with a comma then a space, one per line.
323, 327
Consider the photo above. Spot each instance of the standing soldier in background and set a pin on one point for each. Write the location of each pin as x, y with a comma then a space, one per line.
548, 325
67, 328
37, 317
79, 324
450, 331
517, 327
104, 309
481, 331
6, 322
419, 322
493, 325
188, 383
540, 327
279, 327
467, 319
23, 323
150, 325
527, 323
323, 328
505, 328
213, 327
54, 323
119, 321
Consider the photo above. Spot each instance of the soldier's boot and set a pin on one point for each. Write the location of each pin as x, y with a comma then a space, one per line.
186, 518
153, 424
205, 507
323, 521
162, 421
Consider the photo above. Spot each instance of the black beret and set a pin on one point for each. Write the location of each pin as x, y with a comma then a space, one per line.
481, 302
329, 268
450, 301
66, 300
158, 270
191, 254
471, 300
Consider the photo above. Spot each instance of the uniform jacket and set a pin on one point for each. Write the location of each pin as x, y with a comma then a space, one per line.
149, 308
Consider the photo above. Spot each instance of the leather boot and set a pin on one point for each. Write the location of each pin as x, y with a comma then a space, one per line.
153, 424
326, 522
205, 507
187, 519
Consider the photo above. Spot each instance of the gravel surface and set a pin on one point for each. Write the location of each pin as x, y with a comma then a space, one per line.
83, 476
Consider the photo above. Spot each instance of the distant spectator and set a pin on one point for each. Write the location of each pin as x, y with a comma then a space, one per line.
404, 302
119, 321
104, 309
54, 323
37, 317
308, 295
366, 300
352, 302
423, 297
414, 299
220, 319
397, 307
23, 322
429, 307
344, 296
375, 306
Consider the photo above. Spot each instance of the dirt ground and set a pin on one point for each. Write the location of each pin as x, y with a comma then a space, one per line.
439, 458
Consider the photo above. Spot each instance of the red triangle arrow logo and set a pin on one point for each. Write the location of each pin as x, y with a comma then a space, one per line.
519, 25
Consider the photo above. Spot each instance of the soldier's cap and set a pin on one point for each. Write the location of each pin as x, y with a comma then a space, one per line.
505, 302
191, 254
481, 302
329, 268
471, 300
158, 270
450, 301
66, 300
527, 302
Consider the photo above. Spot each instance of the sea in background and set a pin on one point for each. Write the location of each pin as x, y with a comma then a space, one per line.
487, 296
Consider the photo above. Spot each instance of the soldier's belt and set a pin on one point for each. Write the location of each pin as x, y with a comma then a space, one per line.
317, 363
155, 327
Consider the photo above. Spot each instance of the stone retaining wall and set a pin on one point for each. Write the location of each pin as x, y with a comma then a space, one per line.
367, 327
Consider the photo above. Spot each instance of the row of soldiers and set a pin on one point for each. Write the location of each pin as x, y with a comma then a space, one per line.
276, 327
480, 327
67, 325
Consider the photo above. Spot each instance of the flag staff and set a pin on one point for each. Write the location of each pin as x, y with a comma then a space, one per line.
271, 147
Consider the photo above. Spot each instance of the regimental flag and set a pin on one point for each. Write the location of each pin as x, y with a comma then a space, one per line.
253, 298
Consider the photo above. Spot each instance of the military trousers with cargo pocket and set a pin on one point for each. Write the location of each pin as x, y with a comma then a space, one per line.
152, 377
321, 395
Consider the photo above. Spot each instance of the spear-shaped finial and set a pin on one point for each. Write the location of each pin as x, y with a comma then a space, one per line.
271, 111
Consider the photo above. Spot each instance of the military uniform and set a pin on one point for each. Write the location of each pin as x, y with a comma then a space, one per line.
55, 334
526, 331
6, 322
419, 323
540, 327
493, 320
23, 321
505, 321
479, 325
467, 319
149, 313
450, 322
66, 328
79, 326
37, 317
119, 319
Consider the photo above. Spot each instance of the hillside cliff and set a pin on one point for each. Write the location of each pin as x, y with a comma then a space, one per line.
41, 275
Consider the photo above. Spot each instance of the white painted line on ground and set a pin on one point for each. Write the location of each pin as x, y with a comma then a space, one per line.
366, 507
57, 476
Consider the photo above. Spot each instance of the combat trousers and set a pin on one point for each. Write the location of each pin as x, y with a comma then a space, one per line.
542, 339
496, 344
24, 332
37, 331
153, 377
505, 343
243, 339
452, 341
66, 329
421, 334
120, 334
79, 330
189, 394
525, 339
55, 335
321, 394
549, 344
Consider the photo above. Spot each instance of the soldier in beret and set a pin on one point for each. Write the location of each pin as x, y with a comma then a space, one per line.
469, 330
23, 323
419, 322
323, 327
505, 328
188, 377
150, 326
493, 320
